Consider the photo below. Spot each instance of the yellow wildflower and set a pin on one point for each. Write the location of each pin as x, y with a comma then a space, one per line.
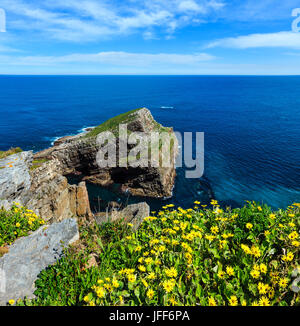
169, 285
150, 294
255, 273
142, 268
138, 248
288, 257
272, 216
264, 301
255, 251
283, 282
293, 235
115, 283
151, 276
212, 302
262, 288
131, 278
214, 229
249, 226
229, 270
233, 301
100, 291
296, 243
263, 268
171, 272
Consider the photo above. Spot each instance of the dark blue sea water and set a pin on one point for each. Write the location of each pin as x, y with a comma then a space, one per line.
251, 125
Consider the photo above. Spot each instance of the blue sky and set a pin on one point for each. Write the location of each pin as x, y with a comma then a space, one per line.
231, 37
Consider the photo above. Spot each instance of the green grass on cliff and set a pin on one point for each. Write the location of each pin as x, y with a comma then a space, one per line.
112, 124
203, 256
11, 151
38, 163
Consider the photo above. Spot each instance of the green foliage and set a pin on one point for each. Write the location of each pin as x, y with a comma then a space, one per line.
16, 223
112, 124
37, 163
199, 256
124, 118
11, 151
66, 282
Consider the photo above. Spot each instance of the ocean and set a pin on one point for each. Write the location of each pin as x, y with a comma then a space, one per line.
251, 126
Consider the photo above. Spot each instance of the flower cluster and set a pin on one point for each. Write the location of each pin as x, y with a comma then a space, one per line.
206, 256
17, 222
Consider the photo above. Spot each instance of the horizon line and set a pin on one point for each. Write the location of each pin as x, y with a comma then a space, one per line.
195, 75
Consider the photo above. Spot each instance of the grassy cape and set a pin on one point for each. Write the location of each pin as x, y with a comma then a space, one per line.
197, 256
113, 124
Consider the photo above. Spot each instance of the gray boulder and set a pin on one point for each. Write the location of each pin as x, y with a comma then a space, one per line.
28, 256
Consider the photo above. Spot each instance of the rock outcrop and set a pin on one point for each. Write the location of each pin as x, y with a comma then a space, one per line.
133, 214
43, 189
28, 256
54, 198
77, 155
15, 180
40, 182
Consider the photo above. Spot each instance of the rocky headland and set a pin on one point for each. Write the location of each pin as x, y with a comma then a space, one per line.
39, 181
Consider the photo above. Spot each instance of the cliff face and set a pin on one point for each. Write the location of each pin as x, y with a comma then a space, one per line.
53, 197
77, 155
43, 189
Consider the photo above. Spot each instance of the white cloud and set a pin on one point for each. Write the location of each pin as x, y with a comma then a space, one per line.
280, 39
110, 58
190, 6
4, 48
88, 20
50, 65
